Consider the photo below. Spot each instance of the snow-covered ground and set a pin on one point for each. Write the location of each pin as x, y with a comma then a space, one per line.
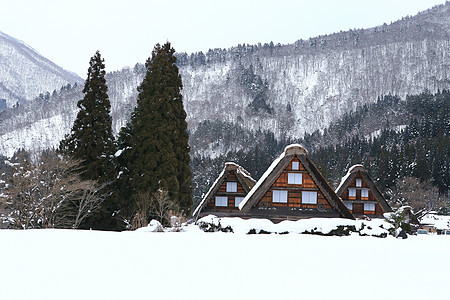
70, 264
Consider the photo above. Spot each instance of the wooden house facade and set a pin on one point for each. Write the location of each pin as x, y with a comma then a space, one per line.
360, 194
291, 189
226, 193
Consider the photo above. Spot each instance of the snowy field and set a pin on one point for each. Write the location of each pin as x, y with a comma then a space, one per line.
69, 264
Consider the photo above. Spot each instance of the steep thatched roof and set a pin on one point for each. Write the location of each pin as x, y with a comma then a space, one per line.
345, 181
242, 175
277, 167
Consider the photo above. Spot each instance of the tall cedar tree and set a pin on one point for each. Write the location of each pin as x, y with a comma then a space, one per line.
91, 139
155, 141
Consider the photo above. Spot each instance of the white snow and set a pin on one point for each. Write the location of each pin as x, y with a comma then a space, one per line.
373, 227
73, 265
118, 153
343, 179
438, 221
197, 210
46, 132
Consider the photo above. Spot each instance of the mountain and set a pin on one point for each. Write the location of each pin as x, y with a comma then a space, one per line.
283, 90
24, 73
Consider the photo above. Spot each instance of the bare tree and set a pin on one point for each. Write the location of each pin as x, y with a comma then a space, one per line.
157, 205
163, 207
143, 202
422, 196
50, 193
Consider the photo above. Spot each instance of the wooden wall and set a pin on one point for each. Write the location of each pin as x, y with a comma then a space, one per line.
222, 191
294, 190
358, 206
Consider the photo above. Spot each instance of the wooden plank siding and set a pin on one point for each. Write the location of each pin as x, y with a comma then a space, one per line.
259, 202
222, 191
358, 201
364, 185
294, 190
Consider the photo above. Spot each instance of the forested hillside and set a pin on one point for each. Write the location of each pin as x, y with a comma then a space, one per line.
288, 90
420, 148
392, 138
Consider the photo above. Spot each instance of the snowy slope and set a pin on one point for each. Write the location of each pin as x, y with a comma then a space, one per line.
70, 264
24, 73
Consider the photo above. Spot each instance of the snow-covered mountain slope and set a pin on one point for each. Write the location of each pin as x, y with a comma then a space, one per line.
287, 89
24, 73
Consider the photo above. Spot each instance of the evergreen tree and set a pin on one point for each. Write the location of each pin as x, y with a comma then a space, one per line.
155, 142
91, 140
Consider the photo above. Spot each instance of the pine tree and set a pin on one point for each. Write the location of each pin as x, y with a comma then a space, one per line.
155, 141
91, 140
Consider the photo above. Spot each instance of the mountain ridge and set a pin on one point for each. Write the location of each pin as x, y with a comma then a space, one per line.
21, 63
289, 89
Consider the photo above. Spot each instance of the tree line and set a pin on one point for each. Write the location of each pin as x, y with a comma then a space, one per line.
405, 146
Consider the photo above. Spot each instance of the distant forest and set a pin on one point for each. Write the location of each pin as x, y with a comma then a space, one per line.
413, 141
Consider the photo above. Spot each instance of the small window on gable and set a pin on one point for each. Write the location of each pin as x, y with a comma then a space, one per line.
352, 192
237, 201
364, 193
369, 206
221, 201
349, 205
279, 196
231, 187
295, 178
358, 182
309, 197
295, 165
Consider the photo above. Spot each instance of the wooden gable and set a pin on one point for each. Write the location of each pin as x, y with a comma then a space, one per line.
293, 188
360, 194
224, 196
231, 195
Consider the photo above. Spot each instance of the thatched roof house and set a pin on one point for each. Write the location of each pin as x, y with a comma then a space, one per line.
293, 188
226, 193
360, 194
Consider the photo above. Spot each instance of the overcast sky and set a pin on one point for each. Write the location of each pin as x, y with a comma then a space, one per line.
69, 32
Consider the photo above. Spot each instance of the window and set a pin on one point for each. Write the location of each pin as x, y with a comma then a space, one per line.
295, 178
349, 205
232, 187
295, 165
221, 201
352, 192
369, 206
279, 196
237, 201
358, 182
309, 197
364, 193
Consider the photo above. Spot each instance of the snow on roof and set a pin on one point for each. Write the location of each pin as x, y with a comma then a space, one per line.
290, 149
349, 172
199, 207
228, 166
261, 180
232, 164
295, 148
439, 221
